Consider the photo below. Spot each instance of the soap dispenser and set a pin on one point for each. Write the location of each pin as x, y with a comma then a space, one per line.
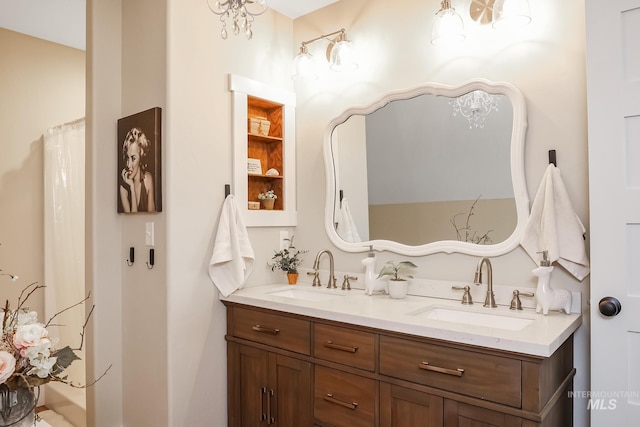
548, 298
371, 281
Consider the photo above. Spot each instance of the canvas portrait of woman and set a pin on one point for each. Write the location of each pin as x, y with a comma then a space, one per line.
139, 164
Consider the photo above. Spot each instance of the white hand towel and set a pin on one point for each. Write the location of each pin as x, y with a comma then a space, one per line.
346, 226
232, 259
554, 226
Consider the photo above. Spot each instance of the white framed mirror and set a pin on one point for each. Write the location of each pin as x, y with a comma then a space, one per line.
430, 169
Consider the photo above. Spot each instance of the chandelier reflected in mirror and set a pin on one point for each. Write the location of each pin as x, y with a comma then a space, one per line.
240, 12
475, 106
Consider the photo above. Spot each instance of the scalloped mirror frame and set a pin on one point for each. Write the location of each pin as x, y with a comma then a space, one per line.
521, 195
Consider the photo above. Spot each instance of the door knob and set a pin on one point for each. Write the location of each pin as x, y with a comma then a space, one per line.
609, 306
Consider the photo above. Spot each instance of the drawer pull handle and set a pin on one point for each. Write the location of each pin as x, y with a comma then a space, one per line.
263, 392
329, 398
259, 328
346, 348
270, 418
456, 372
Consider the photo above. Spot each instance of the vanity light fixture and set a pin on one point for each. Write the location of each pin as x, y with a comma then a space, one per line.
511, 14
475, 106
303, 64
447, 25
241, 12
339, 55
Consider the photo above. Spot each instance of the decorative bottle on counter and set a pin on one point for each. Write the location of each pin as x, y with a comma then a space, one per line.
546, 297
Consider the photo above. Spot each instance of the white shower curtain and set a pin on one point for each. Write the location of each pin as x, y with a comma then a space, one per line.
64, 183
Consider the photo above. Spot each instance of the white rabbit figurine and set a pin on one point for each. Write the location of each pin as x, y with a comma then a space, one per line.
546, 297
371, 282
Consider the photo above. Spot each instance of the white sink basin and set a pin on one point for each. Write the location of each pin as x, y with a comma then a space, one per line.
306, 294
498, 320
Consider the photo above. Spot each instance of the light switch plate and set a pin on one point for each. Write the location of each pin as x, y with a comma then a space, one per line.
149, 234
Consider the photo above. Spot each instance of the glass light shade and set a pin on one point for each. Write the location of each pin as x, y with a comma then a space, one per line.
447, 27
303, 66
511, 14
341, 57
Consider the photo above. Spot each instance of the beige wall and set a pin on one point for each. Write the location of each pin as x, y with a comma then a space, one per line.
463, 220
164, 328
172, 313
545, 60
41, 86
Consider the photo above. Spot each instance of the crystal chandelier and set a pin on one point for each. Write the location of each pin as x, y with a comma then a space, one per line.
475, 106
241, 13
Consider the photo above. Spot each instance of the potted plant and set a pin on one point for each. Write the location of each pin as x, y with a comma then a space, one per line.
267, 199
398, 284
288, 260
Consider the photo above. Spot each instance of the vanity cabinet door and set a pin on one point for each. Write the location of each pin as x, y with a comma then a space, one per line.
403, 407
293, 392
248, 386
458, 414
267, 389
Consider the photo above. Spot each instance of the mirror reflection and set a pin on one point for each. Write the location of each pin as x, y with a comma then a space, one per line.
417, 171
428, 167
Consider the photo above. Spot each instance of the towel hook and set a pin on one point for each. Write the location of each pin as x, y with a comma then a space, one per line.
552, 157
130, 260
227, 190
152, 258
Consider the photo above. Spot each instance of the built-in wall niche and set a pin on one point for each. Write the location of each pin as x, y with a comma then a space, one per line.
263, 151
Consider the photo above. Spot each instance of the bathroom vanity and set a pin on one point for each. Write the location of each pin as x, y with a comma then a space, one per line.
302, 356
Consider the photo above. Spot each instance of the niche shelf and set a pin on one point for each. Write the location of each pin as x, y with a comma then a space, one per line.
263, 150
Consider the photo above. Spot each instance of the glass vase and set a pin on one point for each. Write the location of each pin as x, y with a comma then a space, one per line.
17, 407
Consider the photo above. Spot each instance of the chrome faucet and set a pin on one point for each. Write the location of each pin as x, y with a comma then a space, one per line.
316, 267
489, 300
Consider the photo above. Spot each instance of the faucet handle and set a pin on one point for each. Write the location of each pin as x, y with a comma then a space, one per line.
516, 304
316, 277
466, 297
346, 284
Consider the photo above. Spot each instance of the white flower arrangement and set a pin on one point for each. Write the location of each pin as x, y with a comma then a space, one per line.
270, 194
29, 357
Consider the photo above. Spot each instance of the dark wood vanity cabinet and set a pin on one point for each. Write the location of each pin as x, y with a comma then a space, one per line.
268, 388
290, 370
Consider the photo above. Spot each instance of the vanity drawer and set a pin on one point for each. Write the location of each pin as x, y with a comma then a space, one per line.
273, 329
484, 376
344, 400
345, 346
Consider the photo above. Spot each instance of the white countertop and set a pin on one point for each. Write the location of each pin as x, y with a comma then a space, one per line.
541, 337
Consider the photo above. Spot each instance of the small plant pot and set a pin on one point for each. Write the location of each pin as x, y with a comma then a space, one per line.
398, 288
292, 278
267, 204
